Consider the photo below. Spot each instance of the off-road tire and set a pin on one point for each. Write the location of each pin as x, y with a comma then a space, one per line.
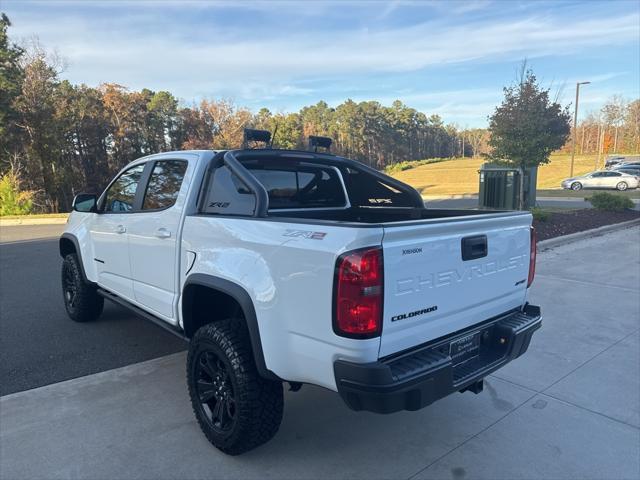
576, 186
258, 402
622, 186
80, 297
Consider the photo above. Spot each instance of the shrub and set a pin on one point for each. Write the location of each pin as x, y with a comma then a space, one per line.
408, 165
14, 201
540, 214
610, 202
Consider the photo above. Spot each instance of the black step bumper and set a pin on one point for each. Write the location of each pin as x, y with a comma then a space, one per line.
416, 378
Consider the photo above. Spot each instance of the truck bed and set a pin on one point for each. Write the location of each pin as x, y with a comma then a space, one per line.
383, 215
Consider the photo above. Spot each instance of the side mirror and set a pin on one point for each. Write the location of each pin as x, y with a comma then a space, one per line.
85, 202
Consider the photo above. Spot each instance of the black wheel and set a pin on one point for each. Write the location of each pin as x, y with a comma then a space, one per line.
81, 300
236, 408
576, 186
622, 186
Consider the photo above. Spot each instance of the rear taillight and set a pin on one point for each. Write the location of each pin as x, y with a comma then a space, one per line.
358, 294
532, 257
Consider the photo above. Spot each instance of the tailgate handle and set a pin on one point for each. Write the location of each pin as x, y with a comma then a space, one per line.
474, 247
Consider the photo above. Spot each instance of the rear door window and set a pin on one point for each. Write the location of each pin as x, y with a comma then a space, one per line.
164, 184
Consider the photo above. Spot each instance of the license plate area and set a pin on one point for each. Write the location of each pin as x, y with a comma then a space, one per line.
465, 348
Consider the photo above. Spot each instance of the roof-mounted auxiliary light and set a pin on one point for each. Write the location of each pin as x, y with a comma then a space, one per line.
256, 136
316, 142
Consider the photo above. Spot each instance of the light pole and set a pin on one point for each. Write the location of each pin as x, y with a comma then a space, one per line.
575, 125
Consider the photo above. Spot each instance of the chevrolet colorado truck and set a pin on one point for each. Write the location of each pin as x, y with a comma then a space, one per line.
302, 267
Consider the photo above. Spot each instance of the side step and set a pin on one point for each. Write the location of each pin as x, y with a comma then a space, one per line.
142, 313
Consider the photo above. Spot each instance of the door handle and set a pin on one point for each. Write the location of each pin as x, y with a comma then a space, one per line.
163, 233
121, 229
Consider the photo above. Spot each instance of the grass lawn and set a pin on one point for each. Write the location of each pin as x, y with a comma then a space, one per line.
460, 176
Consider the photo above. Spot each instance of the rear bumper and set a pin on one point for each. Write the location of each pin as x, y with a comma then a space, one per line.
414, 379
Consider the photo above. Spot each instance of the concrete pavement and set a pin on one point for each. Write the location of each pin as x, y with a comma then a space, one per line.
569, 408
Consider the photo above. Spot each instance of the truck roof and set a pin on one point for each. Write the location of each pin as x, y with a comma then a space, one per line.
279, 152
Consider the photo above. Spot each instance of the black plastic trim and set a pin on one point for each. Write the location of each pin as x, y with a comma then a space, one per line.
246, 304
423, 375
76, 244
142, 313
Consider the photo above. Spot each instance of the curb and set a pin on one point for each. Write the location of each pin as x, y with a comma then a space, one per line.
594, 232
574, 199
450, 197
10, 222
544, 199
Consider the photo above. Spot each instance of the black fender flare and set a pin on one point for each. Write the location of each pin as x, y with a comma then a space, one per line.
76, 244
240, 295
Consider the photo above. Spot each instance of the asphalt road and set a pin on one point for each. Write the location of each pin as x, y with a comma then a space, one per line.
27, 233
39, 344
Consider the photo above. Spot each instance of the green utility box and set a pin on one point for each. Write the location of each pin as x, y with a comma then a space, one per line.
500, 187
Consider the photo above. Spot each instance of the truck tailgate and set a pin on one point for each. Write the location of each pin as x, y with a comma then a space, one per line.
442, 276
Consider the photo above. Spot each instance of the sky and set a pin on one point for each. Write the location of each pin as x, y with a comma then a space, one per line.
448, 58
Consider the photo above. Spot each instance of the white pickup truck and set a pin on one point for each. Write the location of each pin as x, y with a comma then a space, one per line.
302, 267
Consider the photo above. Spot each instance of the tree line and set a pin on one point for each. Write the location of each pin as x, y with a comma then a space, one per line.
615, 128
63, 138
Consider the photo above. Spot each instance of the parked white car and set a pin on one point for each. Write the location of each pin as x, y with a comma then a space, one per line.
602, 179
302, 267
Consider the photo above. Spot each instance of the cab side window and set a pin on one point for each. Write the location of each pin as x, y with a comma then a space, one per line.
121, 194
164, 184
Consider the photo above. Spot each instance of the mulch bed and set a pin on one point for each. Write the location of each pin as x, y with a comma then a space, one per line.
580, 220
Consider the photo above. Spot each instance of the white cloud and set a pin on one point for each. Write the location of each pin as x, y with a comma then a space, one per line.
172, 50
150, 48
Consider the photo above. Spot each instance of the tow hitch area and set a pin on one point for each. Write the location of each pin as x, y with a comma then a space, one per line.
456, 363
475, 387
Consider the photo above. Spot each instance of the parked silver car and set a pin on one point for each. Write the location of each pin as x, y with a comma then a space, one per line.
614, 160
602, 179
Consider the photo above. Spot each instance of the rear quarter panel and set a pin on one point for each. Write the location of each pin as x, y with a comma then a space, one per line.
288, 270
